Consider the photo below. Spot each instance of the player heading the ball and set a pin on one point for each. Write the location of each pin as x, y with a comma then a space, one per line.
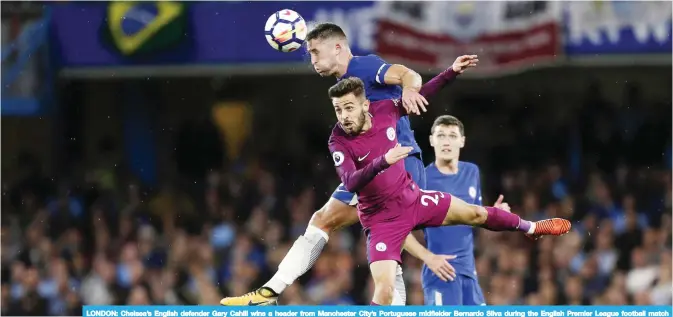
331, 56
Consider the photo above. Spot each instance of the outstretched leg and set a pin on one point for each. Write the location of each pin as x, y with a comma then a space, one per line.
336, 214
496, 219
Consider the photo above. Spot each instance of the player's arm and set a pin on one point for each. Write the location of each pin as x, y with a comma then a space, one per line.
411, 80
413, 94
434, 85
415, 248
403, 76
430, 88
461, 64
499, 203
354, 179
438, 264
411, 83
394, 74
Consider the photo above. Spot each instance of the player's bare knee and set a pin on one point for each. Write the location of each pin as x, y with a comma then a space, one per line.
477, 215
466, 214
334, 216
320, 220
384, 293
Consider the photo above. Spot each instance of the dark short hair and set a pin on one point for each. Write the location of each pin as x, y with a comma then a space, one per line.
325, 31
349, 85
448, 121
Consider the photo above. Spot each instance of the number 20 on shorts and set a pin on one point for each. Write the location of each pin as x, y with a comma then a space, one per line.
432, 196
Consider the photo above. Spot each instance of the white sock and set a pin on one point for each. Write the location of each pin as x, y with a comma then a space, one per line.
301, 257
531, 230
400, 296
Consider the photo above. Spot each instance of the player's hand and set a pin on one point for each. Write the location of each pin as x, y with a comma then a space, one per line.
413, 102
464, 62
397, 153
501, 204
439, 264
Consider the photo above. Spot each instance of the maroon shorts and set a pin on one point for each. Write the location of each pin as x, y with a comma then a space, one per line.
388, 227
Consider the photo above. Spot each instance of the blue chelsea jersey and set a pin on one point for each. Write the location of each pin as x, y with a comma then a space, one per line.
454, 240
371, 69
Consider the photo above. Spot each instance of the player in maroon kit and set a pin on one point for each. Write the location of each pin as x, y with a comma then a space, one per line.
368, 159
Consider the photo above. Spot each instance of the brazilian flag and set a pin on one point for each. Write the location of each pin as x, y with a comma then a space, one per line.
135, 28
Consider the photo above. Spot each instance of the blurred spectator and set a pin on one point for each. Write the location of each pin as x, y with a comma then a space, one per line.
174, 247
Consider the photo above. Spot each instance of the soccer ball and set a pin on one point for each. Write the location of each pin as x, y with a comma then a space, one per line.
285, 30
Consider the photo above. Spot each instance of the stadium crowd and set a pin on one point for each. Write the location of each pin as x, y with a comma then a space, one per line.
99, 236
88, 245
92, 244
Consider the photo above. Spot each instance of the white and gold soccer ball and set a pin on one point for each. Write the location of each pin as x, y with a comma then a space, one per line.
285, 30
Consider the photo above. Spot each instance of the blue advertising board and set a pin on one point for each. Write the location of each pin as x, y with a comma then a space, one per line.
617, 27
211, 32
101, 34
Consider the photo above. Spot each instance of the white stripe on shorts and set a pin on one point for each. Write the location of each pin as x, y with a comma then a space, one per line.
354, 200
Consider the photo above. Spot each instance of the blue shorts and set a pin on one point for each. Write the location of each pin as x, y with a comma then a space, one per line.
462, 291
414, 166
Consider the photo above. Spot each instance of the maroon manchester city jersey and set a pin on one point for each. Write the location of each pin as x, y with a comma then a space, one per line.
360, 162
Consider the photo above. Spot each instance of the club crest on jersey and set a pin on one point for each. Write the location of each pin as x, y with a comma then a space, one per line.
472, 191
390, 133
338, 158
381, 247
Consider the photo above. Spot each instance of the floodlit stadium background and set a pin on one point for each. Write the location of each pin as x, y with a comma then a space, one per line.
173, 161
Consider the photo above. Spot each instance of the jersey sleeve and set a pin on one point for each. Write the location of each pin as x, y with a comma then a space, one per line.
354, 179
434, 85
373, 69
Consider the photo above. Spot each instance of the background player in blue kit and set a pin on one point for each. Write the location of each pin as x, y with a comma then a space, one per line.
462, 180
331, 56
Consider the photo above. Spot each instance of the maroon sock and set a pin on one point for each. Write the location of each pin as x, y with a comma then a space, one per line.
373, 304
501, 220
